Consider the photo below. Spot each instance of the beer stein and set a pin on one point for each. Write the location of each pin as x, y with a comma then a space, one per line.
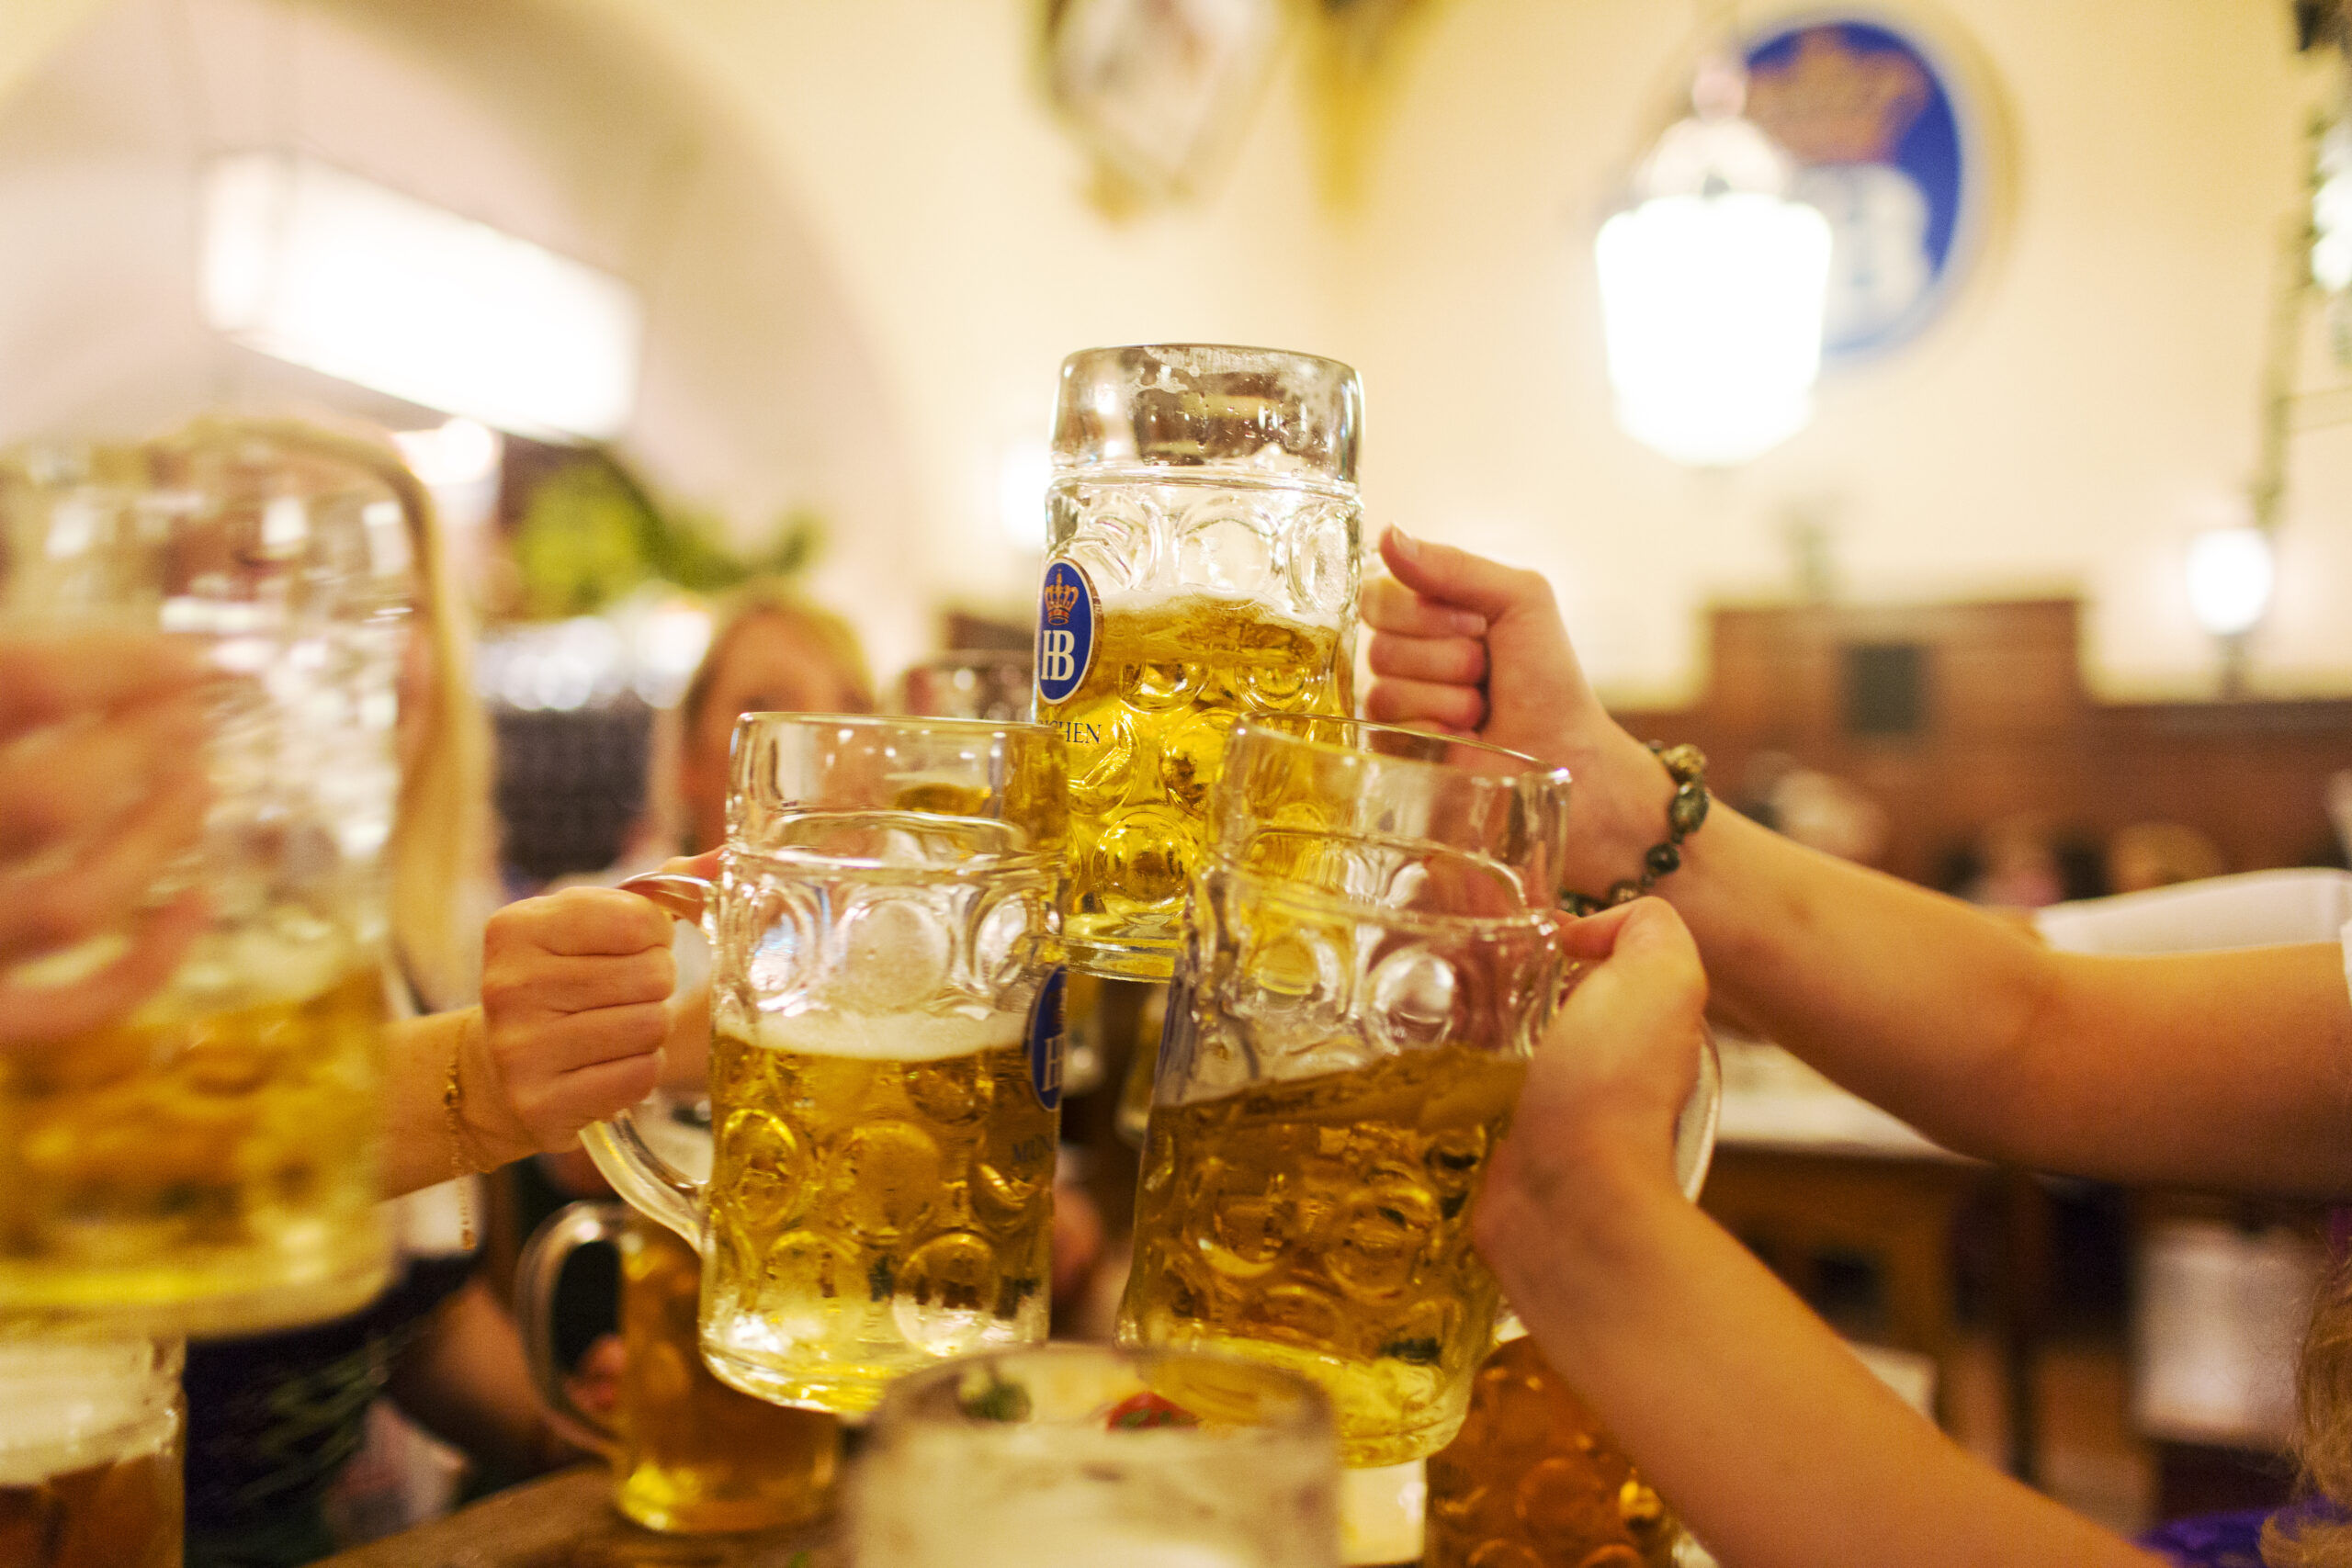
1373, 961
886, 1053
689, 1454
1202, 565
980, 683
1533, 1480
92, 1432
1072, 1456
209, 1163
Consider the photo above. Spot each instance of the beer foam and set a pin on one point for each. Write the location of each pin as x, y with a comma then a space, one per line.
890, 1036
1137, 601
71, 1406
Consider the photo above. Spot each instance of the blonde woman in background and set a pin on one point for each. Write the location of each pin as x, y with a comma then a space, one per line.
2228, 1071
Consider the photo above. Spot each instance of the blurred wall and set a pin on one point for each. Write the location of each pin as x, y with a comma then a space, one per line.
2086, 401
884, 178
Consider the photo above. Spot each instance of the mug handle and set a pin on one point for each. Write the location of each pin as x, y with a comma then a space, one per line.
535, 1273
1694, 1129
654, 1187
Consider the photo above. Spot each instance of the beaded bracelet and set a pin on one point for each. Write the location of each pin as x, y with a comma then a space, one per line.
1688, 766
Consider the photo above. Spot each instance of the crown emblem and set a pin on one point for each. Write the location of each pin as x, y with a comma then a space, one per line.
1833, 104
1060, 599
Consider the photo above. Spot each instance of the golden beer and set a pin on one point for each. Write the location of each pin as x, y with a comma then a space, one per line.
881, 1195
693, 1454
216, 1172
1532, 1480
1145, 732
1322, 1224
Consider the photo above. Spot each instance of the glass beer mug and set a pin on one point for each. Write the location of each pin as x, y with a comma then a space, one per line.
209, 1163
886, 1053
689, 1454
1080, 1456
92, 1433
1202, 540
1371, 963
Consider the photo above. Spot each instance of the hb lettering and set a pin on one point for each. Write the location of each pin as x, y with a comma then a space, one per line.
1057, 656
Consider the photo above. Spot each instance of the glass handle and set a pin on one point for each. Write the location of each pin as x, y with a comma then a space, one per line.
536, 1274
653, 1187
688, 897
1694, 1129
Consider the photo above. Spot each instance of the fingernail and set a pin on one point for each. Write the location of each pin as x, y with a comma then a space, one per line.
1406, 545
1467, 624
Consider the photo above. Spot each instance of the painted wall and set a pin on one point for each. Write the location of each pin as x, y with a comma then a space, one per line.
2088, 401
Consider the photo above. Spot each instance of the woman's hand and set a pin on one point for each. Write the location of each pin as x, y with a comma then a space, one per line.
1465, 645
102, 785
1596, 1114
575, 994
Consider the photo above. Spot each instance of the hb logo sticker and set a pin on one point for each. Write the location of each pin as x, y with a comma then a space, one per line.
1065, 631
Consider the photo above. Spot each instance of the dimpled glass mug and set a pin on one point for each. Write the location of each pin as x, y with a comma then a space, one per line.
1202, 537
886, 1053
689, 1454
209, 1163
1374, 958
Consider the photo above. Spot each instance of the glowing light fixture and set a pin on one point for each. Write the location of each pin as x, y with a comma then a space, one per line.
1711, 286
2230, 574
308, 263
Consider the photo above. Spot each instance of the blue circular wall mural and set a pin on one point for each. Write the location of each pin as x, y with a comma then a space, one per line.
1886, 147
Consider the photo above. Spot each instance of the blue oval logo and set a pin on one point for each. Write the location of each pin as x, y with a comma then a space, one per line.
1045, 1038
1065, 631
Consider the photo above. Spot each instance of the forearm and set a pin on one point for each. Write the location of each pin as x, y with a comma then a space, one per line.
1777, 1447
466, 1380
423, 1143
2230, 1070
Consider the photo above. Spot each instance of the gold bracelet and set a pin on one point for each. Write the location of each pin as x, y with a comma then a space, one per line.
465, 1159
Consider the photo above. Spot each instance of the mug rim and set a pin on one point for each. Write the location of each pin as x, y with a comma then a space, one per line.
779, 717
1267, 887
1267, 724
1311, 1413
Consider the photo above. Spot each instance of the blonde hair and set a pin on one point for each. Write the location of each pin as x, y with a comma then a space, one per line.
2322, 1437
763, 597
442, 858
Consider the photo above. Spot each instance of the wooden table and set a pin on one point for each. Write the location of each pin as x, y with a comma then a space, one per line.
567, 1520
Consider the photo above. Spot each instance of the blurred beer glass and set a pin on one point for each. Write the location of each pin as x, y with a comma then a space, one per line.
209, 1163
1078, 1455
886, 1052
1373, 961
92, 1433
1202, 564
1533, 1481
689, 1454
968, 683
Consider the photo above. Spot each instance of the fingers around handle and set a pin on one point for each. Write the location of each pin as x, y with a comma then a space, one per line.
536, 1274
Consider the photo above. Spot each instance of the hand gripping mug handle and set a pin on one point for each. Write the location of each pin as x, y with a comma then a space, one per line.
535, 1273
1695, 1123
653, 1187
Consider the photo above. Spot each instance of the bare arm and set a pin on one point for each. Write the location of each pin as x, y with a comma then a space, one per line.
2219, 1070
465, 1379
1778, 1446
